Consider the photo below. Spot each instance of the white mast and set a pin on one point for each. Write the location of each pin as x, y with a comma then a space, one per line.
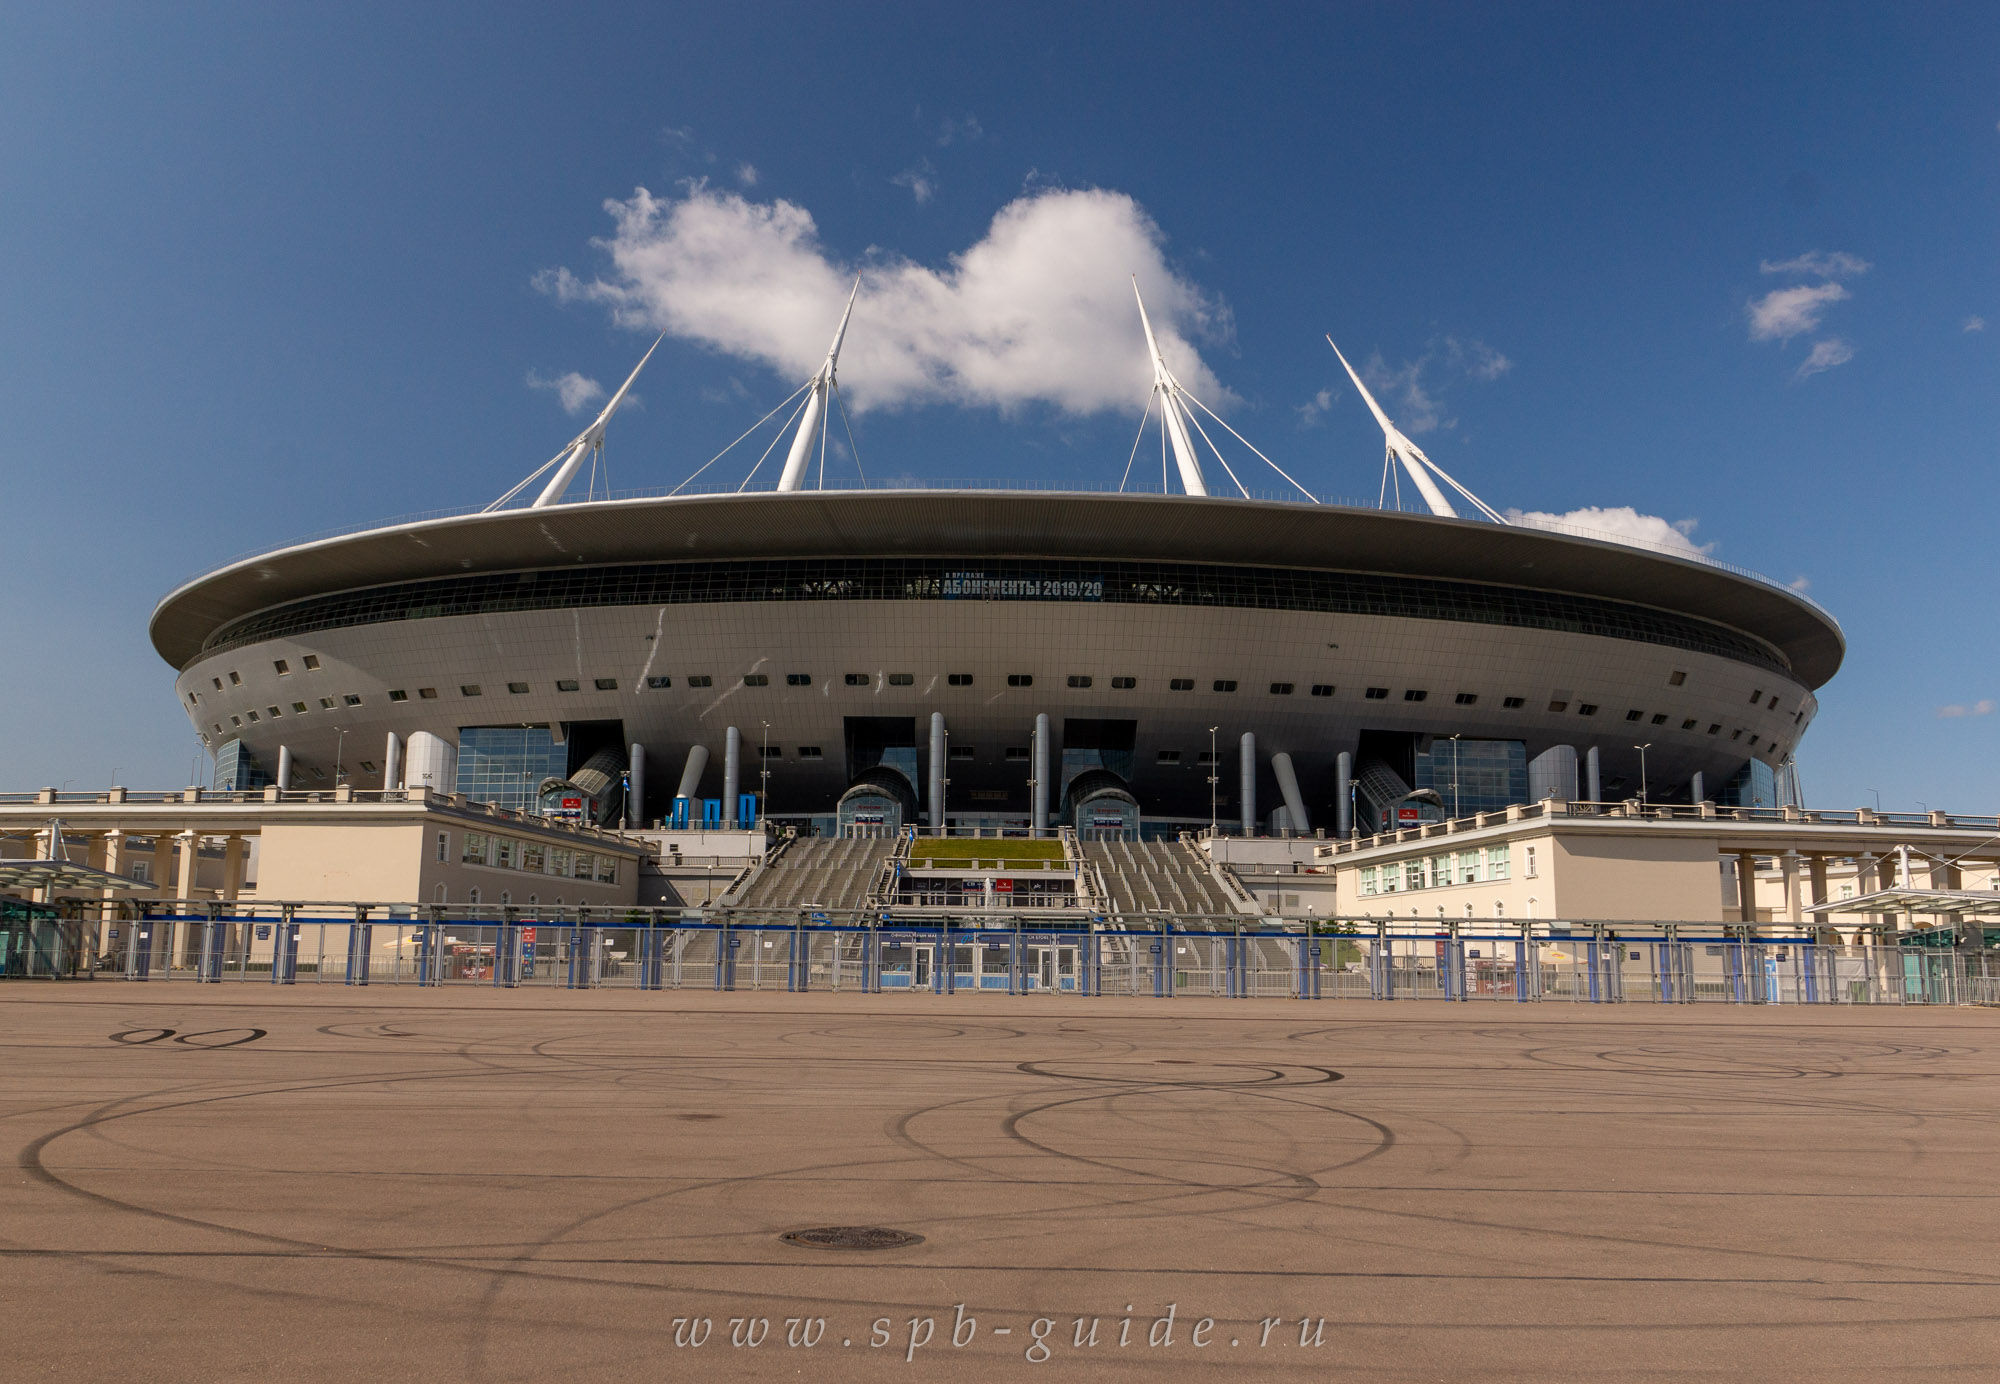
1172, 410
591, 437
815, 411
1413, 460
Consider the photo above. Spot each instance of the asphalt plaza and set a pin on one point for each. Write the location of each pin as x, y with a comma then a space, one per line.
477, 1185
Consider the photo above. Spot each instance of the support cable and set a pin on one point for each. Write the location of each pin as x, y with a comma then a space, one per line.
1217, 450
725, 451
1253, 447
1140, 436
852, 448
768, 450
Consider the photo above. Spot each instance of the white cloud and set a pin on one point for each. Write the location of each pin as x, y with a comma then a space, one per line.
576, 392
921, 181
1476, 358
1825, 355
1784, 313
746, 174
1622, 524
1408, 391
1975, 324
1837, 264
1313, 409
952, 131
1800, 584
1979, 708
1039, 310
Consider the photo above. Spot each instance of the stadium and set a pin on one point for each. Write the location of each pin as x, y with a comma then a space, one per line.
1132, 664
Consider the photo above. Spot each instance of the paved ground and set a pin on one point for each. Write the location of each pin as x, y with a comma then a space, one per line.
253, 1184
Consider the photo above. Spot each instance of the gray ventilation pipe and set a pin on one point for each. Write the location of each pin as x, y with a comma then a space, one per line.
697, 765
732, 777
1247, 770
1699, 791
1592, 776
635, 795
937, 771
392, 761
284, 768
1040, 820
1343, 804
1288, 784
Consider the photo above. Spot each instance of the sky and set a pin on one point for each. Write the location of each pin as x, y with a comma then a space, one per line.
1715, 275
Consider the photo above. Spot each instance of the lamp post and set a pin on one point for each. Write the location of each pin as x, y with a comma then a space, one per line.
1454, 775
764, 774
1642, 770
1213, 779
339, 750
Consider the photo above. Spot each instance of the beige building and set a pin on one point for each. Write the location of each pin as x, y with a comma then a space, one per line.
1630, 863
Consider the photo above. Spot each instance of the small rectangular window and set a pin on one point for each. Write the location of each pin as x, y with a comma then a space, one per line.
901, 679
443, 845
469, 689
299, 707
399, 695
655, 683
1513, 703
798, 679
1635, 715
567, 684
312, 661
1736, 734
954, 679
1281, 689
1558, 706
236, 680
858, 679
1677, 679
1181, 684
963, 752
253, 716
810, 752
284, 668
1225, 684
1753, 742
1414, 694
517, 688
1715, 729
1660, 718
367, 766
1773, 705
700, 680
1755, 697
1378, 694
217, 682
771, 751
606, 684
1020, 679
1322, 689
428, 694
1586, 708
1170, 757
193, 700
756, 679
1124, 684
326, 703
351, 699
1017, 754
1078, 681
273, 712
1207, 758
1690, 723
1467, 699
475, 849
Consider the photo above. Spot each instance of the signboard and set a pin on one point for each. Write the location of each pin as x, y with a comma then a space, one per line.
572, 804
869, 817
1003, 886
527, 937
1406, 814
1113, 820
263, 932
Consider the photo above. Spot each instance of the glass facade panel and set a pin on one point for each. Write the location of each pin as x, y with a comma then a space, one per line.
505, 764
1490, 774
237, 770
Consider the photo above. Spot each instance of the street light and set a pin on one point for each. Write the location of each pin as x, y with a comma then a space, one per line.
1642, 770
764, 774
339, 749
1454, 775
1213, 778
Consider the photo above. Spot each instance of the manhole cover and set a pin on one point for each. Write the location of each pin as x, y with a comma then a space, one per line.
851, 1237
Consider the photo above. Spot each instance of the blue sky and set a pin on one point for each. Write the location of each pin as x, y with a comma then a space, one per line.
270, 270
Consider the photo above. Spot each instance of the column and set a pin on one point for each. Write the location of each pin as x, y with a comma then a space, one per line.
189, 845
392, 762
1288, 787
937, 771
112, 862
1038, 822
691, 772
1746, 887
1794, 911
732, 777
1593, 775
233, 859
1816, 872
1247, 772
635, 790
1698, 789
284, 768
1343, 805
